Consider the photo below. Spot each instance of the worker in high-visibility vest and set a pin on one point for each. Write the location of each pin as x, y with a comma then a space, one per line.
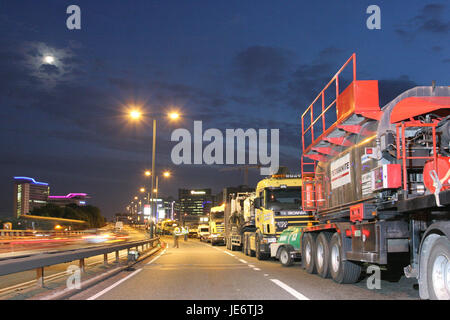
185, 232
177, 232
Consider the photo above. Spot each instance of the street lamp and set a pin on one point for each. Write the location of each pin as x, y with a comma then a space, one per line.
136, 115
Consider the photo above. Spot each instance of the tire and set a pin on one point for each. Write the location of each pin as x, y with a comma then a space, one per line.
285, 257
259, 254
245, 245
251, 253
438, 270
308, 251
342, 271
322, 254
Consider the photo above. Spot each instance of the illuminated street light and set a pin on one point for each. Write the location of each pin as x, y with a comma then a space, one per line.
174, 115
166, 174
142, 189
135, 114
148, 173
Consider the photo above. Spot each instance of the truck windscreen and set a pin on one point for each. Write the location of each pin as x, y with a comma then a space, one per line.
284, 198
217, 215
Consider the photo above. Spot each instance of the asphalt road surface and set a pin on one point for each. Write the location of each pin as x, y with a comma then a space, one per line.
199, 271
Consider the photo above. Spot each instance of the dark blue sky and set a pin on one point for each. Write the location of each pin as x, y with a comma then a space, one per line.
231, 64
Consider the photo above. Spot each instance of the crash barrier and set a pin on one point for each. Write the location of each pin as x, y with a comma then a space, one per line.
39, 261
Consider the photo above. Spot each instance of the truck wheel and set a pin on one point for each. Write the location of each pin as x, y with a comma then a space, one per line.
251, 253
322, 256
342, 271
438, 270
228, 243
259, 254
308, 252
245, 245
285, 257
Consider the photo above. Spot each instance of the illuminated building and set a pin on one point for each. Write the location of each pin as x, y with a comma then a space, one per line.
29, 194
72, 198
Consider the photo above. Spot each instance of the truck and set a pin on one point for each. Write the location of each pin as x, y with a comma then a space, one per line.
377, 181
216, 225
277, 205
239, 215
118, 226
287, 249
203, 232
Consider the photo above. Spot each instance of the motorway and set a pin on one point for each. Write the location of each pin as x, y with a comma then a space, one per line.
199, 271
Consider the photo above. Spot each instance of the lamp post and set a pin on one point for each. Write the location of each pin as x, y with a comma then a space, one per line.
136, 114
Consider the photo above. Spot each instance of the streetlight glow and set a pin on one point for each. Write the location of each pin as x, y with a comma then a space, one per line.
166, 174
135, 114
174, 115
142, 189
148, 173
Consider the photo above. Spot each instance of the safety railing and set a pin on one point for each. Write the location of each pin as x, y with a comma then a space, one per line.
309, 112
39, 261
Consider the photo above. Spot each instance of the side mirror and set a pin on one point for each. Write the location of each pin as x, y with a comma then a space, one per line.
257, 203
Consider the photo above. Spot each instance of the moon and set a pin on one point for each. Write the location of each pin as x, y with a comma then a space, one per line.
49, 59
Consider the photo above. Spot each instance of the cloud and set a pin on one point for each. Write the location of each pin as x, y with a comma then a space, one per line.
432, 19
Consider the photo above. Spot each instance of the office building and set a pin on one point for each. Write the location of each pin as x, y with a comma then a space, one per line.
29, 194
193, 203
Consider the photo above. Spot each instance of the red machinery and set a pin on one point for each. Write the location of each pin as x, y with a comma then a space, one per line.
377, 179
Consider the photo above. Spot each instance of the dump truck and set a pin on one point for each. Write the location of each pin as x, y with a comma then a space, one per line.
377, 181
277, 205
216, 225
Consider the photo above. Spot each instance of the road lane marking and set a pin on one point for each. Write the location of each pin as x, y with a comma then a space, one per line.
257, 269
230, 254
290, 290
114, 285
251, 266
243, 261
157, 257
50, 277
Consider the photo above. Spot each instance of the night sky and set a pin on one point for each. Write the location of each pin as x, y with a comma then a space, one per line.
231, 64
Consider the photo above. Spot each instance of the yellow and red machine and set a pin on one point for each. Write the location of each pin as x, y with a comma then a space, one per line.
377, 180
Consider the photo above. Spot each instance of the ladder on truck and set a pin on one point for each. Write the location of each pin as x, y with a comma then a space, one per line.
327, 129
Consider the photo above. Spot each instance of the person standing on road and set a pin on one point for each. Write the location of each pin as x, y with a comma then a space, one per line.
176, 234
186, 232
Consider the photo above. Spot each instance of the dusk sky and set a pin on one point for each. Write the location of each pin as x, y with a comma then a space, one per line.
231, 64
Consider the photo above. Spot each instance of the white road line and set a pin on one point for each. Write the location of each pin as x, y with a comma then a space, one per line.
157, 257
251, 266
257, 269
243, 261
230, 254
292, 291
114, 285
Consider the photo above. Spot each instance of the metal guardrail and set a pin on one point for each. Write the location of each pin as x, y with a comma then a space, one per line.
39, 261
